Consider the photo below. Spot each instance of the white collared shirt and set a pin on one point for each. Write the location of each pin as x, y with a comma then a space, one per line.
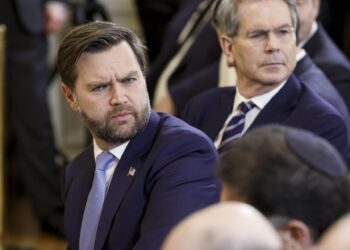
260, 102
117, 152
301, 54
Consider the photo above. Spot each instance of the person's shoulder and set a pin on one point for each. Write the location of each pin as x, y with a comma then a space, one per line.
316, 111
309, 99
176, 135
177, 143
324, 51
173, 126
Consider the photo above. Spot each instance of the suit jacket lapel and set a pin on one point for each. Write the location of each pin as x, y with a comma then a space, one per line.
121, 180
79, 191
221, 108
281, 105
303, 66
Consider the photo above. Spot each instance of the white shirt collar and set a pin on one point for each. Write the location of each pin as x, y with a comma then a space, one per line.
117, 151
301, 54
260, 101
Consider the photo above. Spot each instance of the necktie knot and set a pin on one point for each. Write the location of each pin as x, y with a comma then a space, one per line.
245, 107
235, 127
103, 160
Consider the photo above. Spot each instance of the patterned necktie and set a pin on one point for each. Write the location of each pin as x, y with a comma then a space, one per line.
235, 127
94, 204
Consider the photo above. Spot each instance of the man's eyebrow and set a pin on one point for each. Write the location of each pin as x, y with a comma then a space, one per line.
96, 83
264, 29
128, 75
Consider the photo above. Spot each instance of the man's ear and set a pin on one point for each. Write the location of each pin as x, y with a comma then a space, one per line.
316, 7
227, 48
300, 233
69, 95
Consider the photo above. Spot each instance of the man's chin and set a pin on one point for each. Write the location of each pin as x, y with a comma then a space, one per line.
274, 80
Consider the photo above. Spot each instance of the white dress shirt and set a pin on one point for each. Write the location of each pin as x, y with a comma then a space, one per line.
260, 102
117, 152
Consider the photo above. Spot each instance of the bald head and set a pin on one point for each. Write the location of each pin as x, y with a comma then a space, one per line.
224, 226
337, 236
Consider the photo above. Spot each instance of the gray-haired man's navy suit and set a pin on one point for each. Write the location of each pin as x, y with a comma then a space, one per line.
294, 105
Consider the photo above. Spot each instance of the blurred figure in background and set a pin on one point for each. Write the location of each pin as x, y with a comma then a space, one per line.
26, 78
224, 226
154, 17
335, 18
190, 49
322, 49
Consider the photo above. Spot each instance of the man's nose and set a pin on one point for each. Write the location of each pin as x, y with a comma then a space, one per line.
117, 95
272, 42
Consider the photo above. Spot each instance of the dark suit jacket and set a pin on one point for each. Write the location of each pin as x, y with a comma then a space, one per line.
174, 177
204, 52
26, 78
309, 74
30, 14
294, 105
328, 57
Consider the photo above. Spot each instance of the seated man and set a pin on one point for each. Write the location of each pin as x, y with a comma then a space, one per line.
337, 236
151, 169
292, 176
224, 226
263, 51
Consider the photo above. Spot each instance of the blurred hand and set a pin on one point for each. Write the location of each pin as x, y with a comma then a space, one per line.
56, 14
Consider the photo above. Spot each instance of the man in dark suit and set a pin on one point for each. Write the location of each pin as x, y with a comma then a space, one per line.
162, 169
190, 48
28, 23
322, 50
264, 57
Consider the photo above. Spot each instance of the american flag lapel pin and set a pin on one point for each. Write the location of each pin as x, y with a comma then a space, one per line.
132, 171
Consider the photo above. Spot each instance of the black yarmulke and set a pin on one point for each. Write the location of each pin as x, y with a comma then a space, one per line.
316, 152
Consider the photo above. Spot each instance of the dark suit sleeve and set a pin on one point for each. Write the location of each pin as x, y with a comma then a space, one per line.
193, 85
336, 132
182, 181
187, 114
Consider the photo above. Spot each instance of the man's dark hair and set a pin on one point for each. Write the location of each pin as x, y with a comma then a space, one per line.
287, 172
94, 37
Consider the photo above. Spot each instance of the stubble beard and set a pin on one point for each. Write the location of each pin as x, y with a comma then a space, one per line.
119, 133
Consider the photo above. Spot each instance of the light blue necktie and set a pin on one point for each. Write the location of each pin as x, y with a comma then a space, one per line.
235, 127
94, 204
